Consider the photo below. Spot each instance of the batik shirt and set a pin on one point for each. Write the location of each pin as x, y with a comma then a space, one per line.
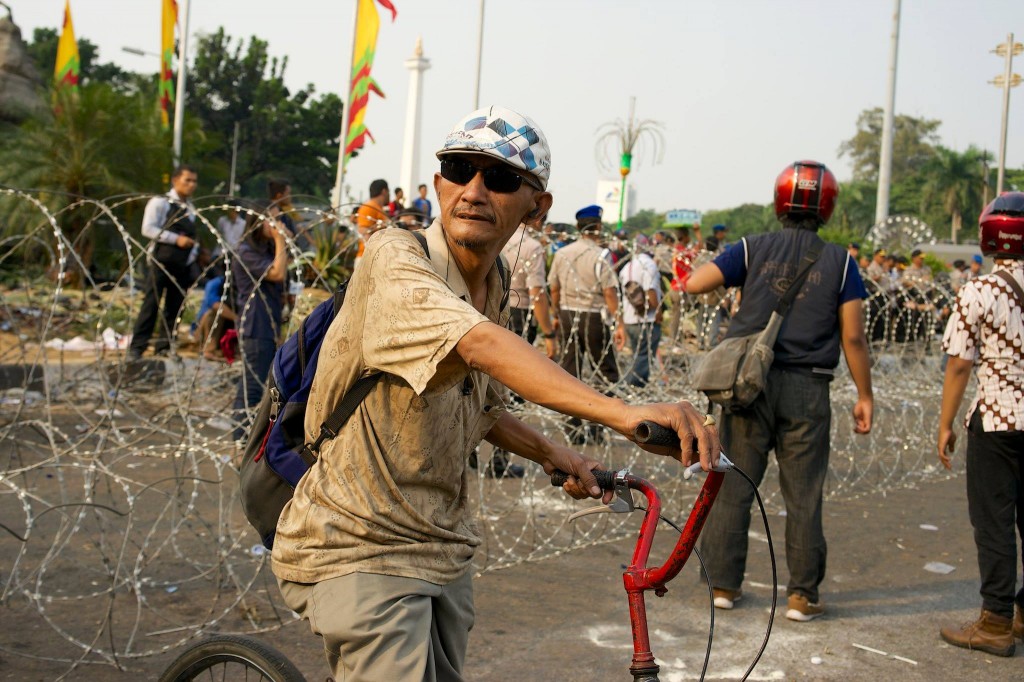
987, 328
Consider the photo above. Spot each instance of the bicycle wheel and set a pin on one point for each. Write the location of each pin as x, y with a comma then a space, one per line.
230, 657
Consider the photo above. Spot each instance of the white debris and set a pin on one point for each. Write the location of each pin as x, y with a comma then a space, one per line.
928, 526
939, 567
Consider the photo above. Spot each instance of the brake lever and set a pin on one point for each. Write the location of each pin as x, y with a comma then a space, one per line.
724, 464
622, 504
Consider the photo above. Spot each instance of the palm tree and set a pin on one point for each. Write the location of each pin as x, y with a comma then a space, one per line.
627, 137
952, 180
95, 144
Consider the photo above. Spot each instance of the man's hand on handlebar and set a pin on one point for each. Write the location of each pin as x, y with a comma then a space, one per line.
581, 483
698, 442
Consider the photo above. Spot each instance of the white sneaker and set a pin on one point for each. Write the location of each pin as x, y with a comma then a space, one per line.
726, 599
802, 610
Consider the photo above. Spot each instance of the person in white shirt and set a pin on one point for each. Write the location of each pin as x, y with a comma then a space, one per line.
231, 226
641, 311
170, 222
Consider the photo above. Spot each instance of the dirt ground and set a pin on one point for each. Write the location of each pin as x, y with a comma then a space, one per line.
566, 617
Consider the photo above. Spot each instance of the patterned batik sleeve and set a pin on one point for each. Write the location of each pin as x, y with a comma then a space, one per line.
960, 339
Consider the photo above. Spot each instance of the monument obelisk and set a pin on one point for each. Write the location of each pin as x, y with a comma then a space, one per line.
409, 176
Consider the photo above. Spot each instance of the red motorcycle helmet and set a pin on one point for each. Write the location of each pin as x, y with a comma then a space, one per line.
1001, 227
806, 188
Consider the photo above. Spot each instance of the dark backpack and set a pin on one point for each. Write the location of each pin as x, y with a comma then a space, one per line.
276, 453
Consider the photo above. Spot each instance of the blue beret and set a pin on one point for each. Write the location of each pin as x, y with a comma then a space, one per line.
719, 228
977, 259
592, 211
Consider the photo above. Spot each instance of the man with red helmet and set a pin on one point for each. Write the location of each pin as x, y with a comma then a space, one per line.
986, 330
792, 415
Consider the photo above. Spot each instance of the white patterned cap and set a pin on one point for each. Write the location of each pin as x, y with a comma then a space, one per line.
505, 135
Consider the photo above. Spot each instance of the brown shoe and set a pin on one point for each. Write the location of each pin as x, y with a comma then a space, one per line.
802, 610
726, 599
1018, 622
990, 633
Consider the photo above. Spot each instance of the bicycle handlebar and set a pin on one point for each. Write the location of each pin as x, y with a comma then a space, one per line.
605, 479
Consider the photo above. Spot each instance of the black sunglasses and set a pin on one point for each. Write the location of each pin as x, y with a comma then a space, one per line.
496, 179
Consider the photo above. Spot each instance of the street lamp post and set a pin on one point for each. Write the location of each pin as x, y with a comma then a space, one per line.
1006, 81
179, 97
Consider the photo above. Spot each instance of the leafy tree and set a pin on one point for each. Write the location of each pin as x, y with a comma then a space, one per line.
646, 221
855, 209
280, 134
43, 50
914, 141
954, 181
744, 219
95, 144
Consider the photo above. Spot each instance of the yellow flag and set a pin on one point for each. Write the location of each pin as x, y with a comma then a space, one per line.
66, 69
166, 89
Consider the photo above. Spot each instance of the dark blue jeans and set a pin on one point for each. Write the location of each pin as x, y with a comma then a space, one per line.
257, 357
793, 417
643, 339
995, 501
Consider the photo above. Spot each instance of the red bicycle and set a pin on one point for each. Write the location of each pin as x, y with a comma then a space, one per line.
638, 577
235, 657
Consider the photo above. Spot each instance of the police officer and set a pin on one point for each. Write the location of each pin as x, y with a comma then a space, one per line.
584, 289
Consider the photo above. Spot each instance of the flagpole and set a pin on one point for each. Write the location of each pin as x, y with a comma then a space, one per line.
179, 97
479, 57
346, 104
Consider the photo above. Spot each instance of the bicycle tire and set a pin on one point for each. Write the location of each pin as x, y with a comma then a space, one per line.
242, 654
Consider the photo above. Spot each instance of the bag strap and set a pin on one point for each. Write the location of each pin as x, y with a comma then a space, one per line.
506, 280
809, 259
1016, 288
355, 395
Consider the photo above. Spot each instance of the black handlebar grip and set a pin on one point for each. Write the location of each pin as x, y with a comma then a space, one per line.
649, 433
605, 479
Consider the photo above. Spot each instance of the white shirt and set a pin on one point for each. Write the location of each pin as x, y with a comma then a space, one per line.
155, 215
987, 327
232, 230
641, 269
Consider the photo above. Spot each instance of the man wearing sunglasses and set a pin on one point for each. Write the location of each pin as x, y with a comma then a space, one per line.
375, 546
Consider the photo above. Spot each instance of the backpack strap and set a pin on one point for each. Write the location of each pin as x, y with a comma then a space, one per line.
355, 395
1017, 291
332, 425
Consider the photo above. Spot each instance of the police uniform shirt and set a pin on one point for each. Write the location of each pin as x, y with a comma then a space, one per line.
582, 275
525, 257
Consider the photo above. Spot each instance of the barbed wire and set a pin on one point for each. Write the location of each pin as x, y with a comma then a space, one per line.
121, 528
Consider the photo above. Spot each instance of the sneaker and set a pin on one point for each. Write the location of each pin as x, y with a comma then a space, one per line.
726, 599
991, 633
802, 610
1018, 622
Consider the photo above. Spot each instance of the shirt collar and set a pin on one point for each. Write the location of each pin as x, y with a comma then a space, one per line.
173, 194
440, 258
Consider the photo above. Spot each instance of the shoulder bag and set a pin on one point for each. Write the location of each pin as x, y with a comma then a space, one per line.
734, 372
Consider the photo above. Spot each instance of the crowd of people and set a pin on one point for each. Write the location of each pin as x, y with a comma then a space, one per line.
497, 305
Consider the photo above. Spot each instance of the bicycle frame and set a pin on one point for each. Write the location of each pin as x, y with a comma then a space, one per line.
638, 578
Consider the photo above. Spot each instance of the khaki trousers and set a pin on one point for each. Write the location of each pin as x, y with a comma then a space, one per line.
381, 627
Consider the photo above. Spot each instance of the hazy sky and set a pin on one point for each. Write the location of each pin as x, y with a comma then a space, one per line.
743, 87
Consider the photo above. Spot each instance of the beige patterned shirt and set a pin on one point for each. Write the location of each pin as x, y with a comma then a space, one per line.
582, 275
388, 495
986, 326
